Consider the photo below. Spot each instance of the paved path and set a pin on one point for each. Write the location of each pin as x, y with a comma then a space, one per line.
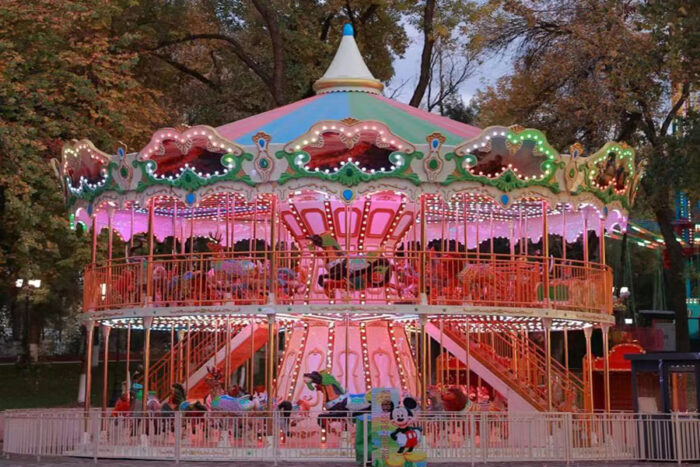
21, 461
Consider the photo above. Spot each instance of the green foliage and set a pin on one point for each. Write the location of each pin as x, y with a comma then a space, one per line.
63, 75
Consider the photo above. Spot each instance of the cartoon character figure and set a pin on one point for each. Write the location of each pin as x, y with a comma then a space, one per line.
406, 435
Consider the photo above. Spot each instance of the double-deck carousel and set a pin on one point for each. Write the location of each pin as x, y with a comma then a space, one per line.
347, 242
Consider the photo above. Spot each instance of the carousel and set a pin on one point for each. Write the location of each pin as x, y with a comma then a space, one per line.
304, 256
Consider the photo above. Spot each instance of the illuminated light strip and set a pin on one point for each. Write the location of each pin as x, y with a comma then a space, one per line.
399, 364
297, 362
363, 225
331, 346
365, 356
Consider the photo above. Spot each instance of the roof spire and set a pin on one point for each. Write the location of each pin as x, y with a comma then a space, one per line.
348, 71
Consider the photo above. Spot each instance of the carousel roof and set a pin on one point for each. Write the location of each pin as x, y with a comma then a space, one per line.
291, 121
348, 141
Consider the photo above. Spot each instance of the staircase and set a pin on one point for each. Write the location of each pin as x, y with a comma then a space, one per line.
204, 349
514, 365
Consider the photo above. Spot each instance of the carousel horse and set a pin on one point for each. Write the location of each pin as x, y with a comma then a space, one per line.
334, 398
219, 401
343, 273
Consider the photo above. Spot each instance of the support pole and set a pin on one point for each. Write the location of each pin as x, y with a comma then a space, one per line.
90, 325
466, 362
601, 243
105, 365
188, 357
423, 249
251, 384
587, 332
545, 254
270, 359
605, 328
227, 362
94, 239
346, 371
149, 273
128, 358
172, 354
547, 325
423, 363
147, 323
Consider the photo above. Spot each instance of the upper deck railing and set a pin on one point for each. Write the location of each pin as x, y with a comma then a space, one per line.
348, 277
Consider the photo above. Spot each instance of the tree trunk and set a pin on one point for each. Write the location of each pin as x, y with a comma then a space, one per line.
675, 274
426, 55
270, 18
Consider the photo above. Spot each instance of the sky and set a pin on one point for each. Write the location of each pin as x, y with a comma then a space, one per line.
408, 66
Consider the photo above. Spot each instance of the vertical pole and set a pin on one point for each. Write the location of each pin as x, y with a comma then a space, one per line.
442, 373
423, 363
605, 328
491, 233
227, 364
587, 332
547, 325
110, 219
545, 254
566, 366
251, 384
188, 357
90, 325
149, 274
94, 238
273, 246
270, 359
174, 249
563, 232
172, 354
180, 363
466, 362
464, 218
105, 365
601, 243
128, 357
585, 240
423, 249
346, 371
147, 323
511, 239
131, 225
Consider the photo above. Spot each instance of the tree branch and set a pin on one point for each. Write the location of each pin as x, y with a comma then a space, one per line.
685, 92
236, 48
426, 55
188, 71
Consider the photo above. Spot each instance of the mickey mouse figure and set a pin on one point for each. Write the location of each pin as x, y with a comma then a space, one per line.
405, 435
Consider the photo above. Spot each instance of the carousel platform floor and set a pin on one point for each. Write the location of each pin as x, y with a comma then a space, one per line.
65, 461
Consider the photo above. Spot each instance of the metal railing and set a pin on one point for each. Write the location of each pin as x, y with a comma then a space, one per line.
354, 277
446, 437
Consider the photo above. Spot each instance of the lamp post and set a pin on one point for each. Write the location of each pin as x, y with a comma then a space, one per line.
31, 350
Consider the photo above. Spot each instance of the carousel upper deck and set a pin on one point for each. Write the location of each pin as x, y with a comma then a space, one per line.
396, 283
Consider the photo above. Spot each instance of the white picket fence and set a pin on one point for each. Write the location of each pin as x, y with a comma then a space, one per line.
447, 437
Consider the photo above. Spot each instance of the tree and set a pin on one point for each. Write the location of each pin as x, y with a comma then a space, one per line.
221, 61
446, 60
63, 75
595, 70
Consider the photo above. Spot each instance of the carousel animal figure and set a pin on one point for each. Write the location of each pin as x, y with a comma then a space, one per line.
334, 397
218, 401
373, 270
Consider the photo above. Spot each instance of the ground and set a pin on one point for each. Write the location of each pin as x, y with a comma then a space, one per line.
49, 385
65, 461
